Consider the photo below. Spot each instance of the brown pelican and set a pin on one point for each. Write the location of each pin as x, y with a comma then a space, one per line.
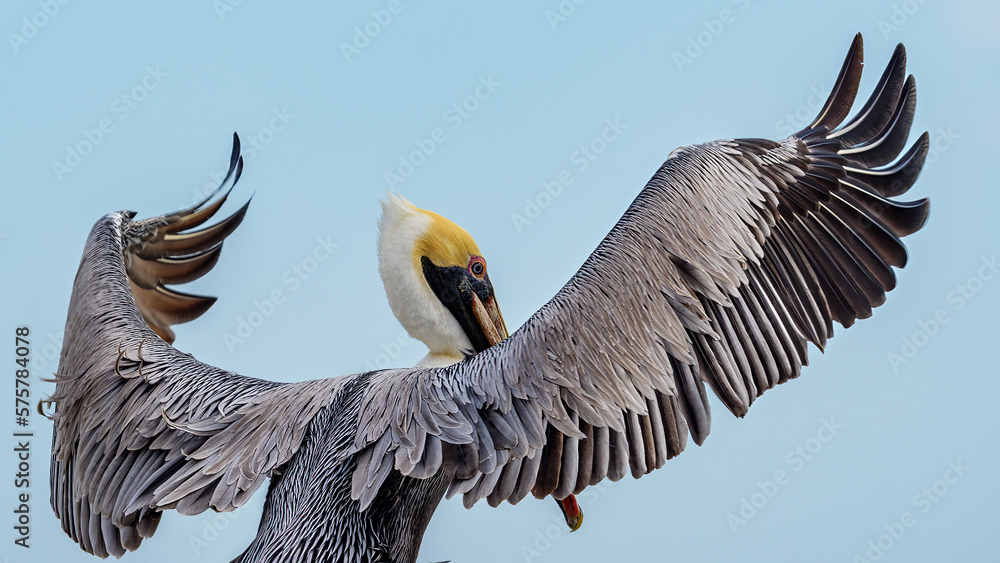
735, 255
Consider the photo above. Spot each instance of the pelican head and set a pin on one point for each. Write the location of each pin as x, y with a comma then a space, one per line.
436, 282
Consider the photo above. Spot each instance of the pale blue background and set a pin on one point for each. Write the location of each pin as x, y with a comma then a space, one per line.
321, 176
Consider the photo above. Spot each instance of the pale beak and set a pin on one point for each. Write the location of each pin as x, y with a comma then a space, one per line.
490, 320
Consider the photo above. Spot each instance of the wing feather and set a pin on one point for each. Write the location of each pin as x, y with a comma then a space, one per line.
734, 256
140, 427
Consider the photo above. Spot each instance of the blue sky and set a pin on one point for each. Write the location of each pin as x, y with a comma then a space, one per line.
480, 113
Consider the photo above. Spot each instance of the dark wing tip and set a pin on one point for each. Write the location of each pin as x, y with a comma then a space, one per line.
191, 242
239, 170
175, 254
900, 177
877, 111
236, 150
917, 213
838, 105
235, 165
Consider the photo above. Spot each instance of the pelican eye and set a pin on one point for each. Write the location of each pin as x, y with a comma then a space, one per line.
477, 267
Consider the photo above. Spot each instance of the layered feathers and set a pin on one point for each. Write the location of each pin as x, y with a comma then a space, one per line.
140, 427
735, 255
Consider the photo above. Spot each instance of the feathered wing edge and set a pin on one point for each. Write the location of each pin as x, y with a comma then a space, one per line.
752, 248
163, 251
140, 427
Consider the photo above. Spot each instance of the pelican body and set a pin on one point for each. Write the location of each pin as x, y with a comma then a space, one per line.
734, 256
437, 286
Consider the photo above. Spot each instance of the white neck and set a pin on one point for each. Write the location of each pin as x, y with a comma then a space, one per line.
433, 360
413, 302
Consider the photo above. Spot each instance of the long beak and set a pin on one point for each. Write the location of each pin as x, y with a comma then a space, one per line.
490, 320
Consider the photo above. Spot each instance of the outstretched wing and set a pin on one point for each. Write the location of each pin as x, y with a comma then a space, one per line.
734, 255
140, 427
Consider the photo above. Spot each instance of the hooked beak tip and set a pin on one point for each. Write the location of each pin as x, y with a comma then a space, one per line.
572, 512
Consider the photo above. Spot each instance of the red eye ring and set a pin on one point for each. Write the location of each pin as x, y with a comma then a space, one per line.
477, 266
